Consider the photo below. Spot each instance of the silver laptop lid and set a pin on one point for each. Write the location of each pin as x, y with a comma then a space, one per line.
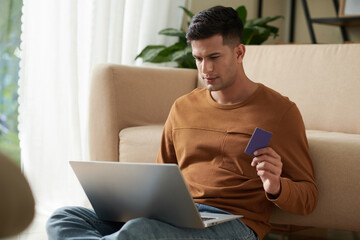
123, 191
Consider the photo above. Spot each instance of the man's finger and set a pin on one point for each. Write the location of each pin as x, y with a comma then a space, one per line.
268, 167
267, 150
266, 158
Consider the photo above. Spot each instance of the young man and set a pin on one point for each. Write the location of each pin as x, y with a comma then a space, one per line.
207, 131
206, 134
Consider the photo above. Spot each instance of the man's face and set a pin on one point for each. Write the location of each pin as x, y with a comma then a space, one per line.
216, 63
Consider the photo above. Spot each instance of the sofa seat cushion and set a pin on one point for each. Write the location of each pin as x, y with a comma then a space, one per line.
140, 144
336, 158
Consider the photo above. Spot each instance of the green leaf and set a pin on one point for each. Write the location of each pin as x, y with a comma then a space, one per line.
261, 21
178, 55
187, 11
173, 32
187, 62
182, 54
273, 30
242, 13
150, 52
160, 59
256, 31
159, 53
259, 39
171, 49
188, 50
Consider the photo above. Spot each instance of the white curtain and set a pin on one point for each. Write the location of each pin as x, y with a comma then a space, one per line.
61, 41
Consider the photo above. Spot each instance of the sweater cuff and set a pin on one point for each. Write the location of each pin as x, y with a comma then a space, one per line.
285, 192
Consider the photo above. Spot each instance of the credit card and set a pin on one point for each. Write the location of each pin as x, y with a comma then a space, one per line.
259, 139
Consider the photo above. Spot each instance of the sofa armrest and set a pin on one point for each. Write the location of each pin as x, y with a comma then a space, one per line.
127, 96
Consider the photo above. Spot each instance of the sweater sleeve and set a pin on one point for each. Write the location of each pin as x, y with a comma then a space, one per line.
167, 151
299, 193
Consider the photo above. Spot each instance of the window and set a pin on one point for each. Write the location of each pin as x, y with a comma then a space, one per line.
10, 30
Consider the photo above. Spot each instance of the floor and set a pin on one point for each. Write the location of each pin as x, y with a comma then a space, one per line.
36, 231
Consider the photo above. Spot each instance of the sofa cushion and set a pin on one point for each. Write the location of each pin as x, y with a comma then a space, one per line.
336, 158
140, 144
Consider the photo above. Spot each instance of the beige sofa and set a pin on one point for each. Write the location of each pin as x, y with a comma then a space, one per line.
129, 105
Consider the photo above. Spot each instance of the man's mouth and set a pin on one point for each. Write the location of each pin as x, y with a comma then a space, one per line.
209, 80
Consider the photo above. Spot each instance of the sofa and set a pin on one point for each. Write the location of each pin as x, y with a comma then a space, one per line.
129, 105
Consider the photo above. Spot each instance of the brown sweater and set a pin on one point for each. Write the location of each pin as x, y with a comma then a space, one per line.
207, 140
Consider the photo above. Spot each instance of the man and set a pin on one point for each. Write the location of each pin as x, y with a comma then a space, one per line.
206, 134
207, 131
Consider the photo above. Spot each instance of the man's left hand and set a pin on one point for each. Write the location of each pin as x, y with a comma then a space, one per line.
269, 167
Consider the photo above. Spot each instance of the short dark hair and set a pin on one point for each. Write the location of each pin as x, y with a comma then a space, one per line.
216, 20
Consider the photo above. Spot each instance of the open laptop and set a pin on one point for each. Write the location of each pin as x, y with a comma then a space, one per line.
122, 191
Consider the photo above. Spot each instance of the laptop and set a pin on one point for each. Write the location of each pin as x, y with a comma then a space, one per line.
120, 192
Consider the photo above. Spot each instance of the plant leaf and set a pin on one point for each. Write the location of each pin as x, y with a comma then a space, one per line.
178, 55
173, 32
187, 11
273, 30
150, 52
258, 35
256, 31
171, 49
187, 62
242, 14
261, 21
258, 39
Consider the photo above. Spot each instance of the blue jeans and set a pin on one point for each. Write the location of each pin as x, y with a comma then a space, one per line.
81, 223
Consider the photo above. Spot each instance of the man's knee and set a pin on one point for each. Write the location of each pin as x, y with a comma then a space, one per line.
139, 228
54, 221
67, 219
62, 215
138, 222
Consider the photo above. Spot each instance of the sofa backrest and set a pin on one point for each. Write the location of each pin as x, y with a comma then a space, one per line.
323, 80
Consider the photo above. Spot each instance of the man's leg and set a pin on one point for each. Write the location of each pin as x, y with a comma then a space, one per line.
144, 228
82, 223
78, 223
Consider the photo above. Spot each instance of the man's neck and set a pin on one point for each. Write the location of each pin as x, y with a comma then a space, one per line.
234, 94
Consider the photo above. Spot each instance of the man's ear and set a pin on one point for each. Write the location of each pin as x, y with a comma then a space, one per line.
240, 52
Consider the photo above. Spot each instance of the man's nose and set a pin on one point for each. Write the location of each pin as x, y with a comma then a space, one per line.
207, 67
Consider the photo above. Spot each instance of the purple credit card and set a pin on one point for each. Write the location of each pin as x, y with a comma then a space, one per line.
259, 139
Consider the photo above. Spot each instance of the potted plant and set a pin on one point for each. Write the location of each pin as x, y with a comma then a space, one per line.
256, 31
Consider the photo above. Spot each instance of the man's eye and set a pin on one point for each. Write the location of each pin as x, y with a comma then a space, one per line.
214, 57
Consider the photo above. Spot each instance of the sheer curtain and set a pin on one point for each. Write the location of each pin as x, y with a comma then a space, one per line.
61, 41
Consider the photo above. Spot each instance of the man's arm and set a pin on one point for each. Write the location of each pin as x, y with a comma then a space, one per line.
286, 169
167, 151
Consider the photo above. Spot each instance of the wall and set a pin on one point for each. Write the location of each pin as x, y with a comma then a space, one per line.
318, 8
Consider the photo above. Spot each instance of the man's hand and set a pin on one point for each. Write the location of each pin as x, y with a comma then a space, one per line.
269, 167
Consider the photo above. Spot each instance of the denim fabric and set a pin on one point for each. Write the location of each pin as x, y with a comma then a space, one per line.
81, 223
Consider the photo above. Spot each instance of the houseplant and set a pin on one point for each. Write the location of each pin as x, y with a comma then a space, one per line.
256, 31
